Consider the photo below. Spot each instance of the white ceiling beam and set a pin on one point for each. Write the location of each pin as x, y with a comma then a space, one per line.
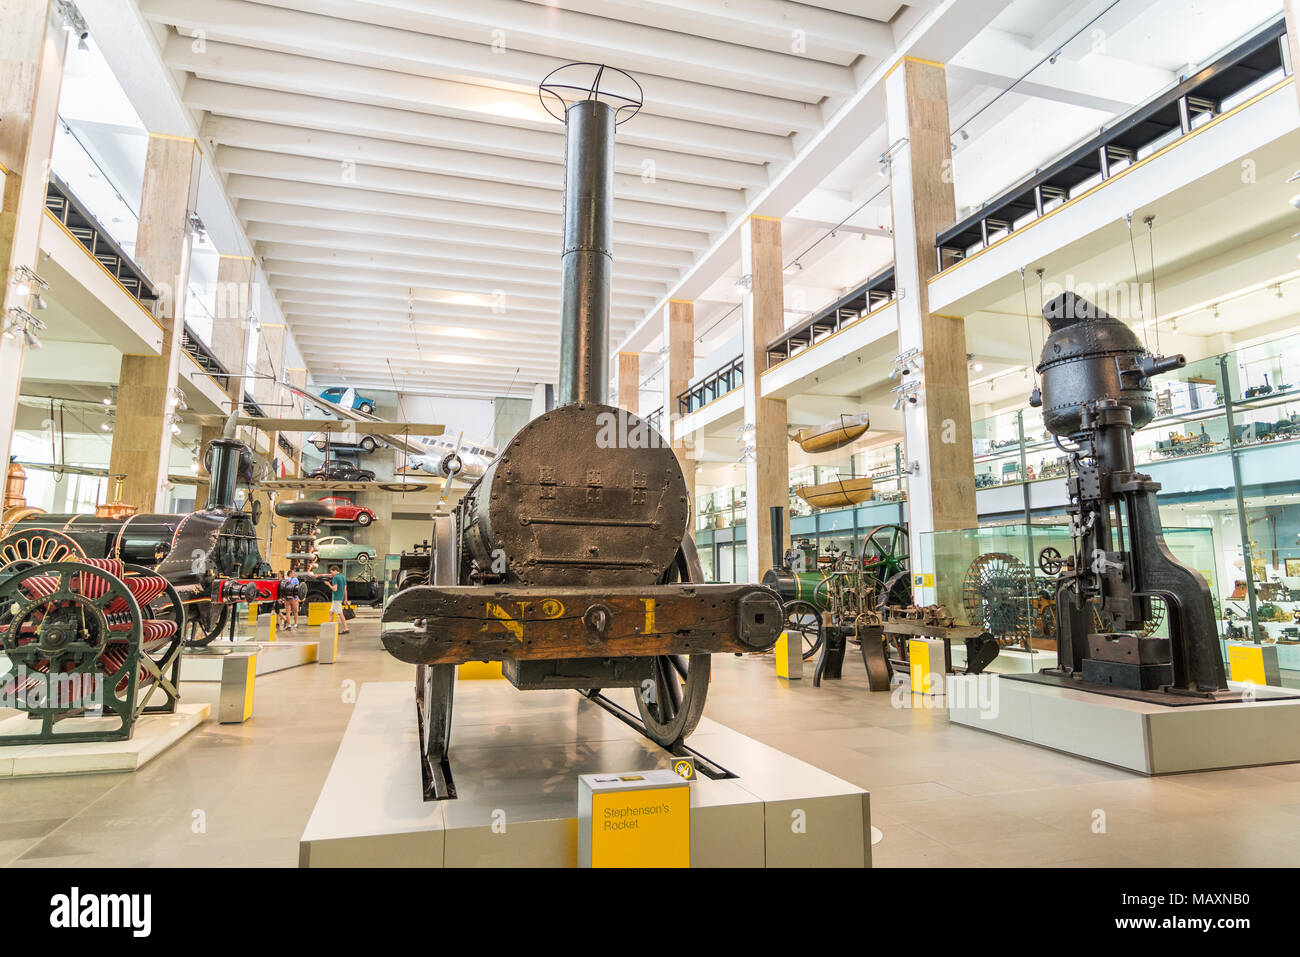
433, 272
426, 97
408, 183
397, 283
574, 36
1000, 59
348, 199
435, 55
768, 24
264, 215
299, 292
292, 109
321, 144
324, 243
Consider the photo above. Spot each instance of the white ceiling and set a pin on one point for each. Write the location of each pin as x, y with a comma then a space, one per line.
391, 162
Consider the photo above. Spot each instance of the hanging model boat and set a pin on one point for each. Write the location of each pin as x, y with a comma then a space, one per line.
833, 435
837, 494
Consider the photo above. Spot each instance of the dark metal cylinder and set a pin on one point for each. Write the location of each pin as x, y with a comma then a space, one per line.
225, 461
778, 537
587, 265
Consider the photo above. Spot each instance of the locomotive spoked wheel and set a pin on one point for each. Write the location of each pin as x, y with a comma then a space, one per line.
886, 560
49, 621
996, 595
204, 623
803, 618
435, 685
671, 699
37, 546
81, 638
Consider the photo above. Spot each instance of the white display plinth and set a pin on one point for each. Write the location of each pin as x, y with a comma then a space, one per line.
205, 664
153, 734
516, 757
1137, 735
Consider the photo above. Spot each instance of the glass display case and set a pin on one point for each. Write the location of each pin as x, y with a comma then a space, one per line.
1221, 446
989, 577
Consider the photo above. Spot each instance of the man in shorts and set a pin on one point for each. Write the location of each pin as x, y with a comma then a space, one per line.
289, 605
338, 594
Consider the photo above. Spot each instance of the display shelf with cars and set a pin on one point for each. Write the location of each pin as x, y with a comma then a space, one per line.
348, 512
338, 548
348, 398
337, 470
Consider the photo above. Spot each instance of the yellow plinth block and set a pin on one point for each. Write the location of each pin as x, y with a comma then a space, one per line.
327, 648
318, 612
473, 670
270, 635
789, 657
638, 819
1246, 663
926, 658
252, 615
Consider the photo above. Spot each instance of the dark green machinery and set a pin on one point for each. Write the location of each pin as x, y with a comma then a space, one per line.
97, 639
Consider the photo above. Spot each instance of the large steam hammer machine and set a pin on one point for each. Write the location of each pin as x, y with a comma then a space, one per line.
1095, 391
571, 559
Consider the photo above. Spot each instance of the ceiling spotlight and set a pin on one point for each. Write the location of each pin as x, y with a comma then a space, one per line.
1214, 313
1052, 59
1294, 177
744, 284
1295, 201
103, 426
1277, 290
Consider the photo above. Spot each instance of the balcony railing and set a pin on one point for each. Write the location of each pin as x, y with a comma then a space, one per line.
86, 229
1167, 116
715, 384
656, 419
872, 294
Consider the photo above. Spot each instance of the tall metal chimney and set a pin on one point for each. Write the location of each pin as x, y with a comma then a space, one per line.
574, 94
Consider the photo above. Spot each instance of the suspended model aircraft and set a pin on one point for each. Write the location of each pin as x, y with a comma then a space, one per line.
459, 459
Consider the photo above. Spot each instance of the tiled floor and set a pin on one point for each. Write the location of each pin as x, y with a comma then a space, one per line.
942, 795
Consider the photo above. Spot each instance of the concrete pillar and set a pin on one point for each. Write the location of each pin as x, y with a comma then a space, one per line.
142, 435
629, 382
236, 277
269, 367
32, 46
679, 368
1293, 38
767, 470
937, 429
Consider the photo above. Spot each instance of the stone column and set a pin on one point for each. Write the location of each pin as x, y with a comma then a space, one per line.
1293, 39
679, 367
142, 434
767, 468
32, 45
236, 277
937, 428
629, 382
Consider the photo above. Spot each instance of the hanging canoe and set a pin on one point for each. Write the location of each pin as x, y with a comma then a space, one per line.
830, 436
837, 494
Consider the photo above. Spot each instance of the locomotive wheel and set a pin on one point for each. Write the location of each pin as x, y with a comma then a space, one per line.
205, 623
436, 684
37, 546
671, 700
996, 596
886, 560
803, 618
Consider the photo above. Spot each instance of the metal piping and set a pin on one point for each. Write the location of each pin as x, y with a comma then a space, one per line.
587, 264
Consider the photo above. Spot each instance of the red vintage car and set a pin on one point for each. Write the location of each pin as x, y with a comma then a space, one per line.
346, 511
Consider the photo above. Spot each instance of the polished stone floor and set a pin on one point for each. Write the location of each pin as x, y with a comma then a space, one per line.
941, 795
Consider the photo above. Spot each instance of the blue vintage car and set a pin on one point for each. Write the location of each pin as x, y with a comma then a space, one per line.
360, 403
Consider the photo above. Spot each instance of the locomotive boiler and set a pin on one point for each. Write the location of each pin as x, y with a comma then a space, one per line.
571, 560
209, 557
1096, 389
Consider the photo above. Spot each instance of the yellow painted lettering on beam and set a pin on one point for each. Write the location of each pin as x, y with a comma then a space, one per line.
514, 627
649, 615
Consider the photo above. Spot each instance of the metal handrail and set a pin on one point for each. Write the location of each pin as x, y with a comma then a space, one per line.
717, 383
872, 294
1171, 111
